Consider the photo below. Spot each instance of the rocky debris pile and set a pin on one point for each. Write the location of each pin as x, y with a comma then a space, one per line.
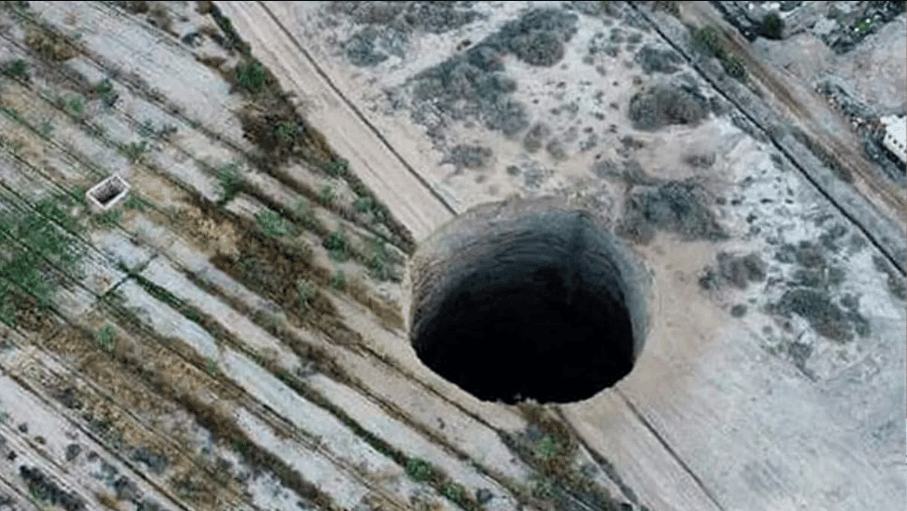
840, 25
665, 104
750, 17
848, 23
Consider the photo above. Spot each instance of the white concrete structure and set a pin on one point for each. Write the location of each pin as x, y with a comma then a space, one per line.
107, 193
895, 139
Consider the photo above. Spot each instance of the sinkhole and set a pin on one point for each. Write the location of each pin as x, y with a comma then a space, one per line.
527, 299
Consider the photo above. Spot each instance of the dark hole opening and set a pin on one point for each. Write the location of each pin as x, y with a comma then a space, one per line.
107, 193
539, 314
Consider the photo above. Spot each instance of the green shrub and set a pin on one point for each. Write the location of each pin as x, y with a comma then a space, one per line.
105, 339
363, 204
109, 218
337, 246
104, 89
455, 492
307, 217
706, 40
772, 26
230, 182
16, 69
251, 76
135, 150
377, 261
27, 240
305, 291
338, 280
327, 195
75, 106
734, 67
272, 224
420, 470
211, 367
286, 131
337, 168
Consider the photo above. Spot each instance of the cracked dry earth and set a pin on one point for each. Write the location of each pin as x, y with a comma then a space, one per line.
233, 335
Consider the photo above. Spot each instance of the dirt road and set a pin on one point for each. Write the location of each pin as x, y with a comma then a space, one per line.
381, 167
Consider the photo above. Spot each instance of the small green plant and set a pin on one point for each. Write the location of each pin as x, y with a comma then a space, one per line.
338, 280
327, 195
272, 224
38, 496
454, 492
27, 240
230, 182
863, 26
548, 448
734, 67
420, 470
706, 40
75, 106
241, 447
305, 291
337, 246
109, 218
46, 127
134, 151
16, 69
307, 217
251, 76
543, 487
137, 203
772, 26
363, 204
377, 262
146, 129
105, 339
211, 367
286, 131
337, 167
103, 87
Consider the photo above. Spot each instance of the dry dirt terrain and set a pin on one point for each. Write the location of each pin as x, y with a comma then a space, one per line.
233, 333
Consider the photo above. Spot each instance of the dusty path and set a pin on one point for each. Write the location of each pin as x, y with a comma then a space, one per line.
380, 166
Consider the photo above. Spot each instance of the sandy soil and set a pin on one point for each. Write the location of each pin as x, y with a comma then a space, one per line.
706, 399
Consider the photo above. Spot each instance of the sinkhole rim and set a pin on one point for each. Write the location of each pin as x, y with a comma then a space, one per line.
453, 252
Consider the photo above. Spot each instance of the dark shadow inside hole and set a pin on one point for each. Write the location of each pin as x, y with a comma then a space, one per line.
107, 193
539, 317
